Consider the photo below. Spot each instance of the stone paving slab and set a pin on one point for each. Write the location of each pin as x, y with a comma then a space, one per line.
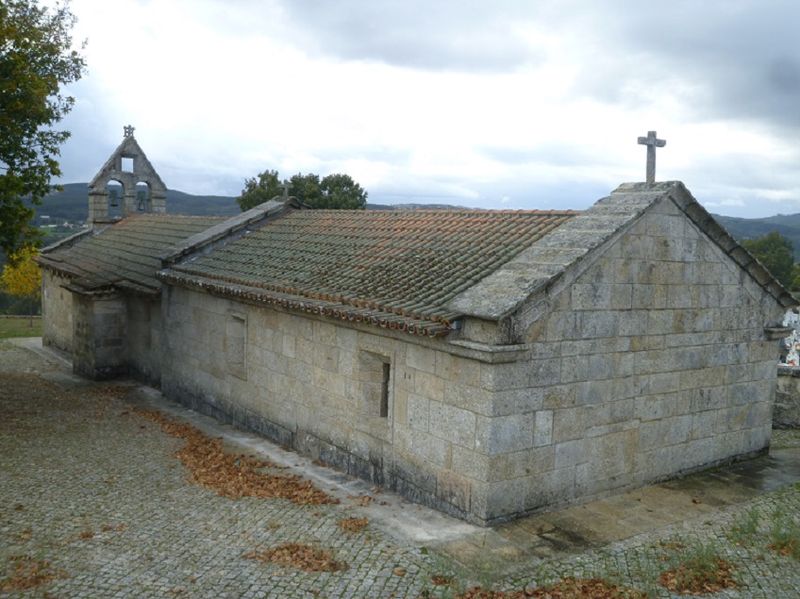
95, 490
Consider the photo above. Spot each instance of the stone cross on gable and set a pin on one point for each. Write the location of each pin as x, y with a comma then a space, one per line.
128, 130
652, 142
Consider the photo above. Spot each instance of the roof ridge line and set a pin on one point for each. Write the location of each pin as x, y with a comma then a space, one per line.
223, 230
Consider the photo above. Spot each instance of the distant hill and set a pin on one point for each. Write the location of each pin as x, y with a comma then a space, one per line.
72, 204
787, 225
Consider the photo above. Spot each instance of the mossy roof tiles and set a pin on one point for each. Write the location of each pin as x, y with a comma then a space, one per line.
393, 268
127, 253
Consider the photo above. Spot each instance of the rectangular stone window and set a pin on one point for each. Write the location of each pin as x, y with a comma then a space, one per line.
375, 375
127, 165
236, 345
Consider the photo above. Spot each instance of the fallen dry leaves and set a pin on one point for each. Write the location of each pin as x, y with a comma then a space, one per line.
24, 535
687, 581
569, 588
27, 573
362, 500
300, 556
233, 476
785, 548
353, 524
111, 391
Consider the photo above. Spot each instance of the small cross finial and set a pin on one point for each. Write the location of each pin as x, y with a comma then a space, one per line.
652, 142
128, 130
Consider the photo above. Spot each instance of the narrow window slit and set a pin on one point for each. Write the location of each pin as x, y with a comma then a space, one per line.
385, 390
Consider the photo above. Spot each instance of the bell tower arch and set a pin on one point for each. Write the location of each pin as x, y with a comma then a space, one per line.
129, 166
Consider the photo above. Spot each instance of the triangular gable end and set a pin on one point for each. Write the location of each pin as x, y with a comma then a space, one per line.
524, 289
128, 165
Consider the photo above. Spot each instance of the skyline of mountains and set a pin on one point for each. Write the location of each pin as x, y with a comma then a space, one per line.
71, 205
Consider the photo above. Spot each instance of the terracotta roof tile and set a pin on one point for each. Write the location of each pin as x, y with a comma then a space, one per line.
126, 252
393, 268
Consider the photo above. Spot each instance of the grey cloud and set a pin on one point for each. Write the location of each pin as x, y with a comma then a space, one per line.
561, 154
521, 192
729, 59
742, 172
377, 153
95, 133
784, 75
444, 35
741, 59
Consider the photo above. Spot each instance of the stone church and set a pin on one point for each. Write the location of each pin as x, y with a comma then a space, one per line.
487, 363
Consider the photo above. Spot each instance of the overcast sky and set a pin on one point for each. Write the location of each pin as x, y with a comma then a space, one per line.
501, 104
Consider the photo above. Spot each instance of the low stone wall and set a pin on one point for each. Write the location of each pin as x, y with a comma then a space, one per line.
57, 311
787, 398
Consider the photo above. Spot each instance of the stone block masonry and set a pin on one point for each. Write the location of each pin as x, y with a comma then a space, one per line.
99, 336
317, 386
655, 366
57, 312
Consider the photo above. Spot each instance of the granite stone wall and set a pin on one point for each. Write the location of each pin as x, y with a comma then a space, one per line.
653, 362
56, 311
143, 343
99, 336
107, 336
315, 385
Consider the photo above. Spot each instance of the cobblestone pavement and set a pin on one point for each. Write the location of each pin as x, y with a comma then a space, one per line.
96, 491
638, 562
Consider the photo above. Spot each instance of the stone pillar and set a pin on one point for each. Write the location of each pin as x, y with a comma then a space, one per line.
158, 201
98, 206
99, 333
129, 203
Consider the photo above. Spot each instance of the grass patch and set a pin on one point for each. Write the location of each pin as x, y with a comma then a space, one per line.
699, 570
20, 327
784, 534
746, 528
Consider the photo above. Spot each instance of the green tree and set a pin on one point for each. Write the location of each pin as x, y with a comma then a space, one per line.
333, 191
259, 189
36, 60
306, 188
795, 286
340, 191
775, 252
22, 277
